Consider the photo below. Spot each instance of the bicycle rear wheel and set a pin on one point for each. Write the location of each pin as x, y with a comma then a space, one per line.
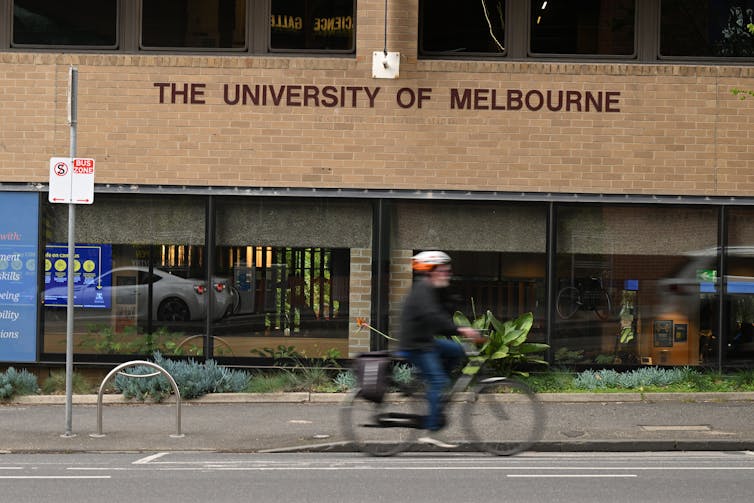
567, 302
381, 429
505, 417
603, 306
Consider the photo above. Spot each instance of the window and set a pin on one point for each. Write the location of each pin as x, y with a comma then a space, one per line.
312, 25
592, 27
211, 24
455, 27
290, 264
496, 266
141, 282
633, 285
84, 23
706, 28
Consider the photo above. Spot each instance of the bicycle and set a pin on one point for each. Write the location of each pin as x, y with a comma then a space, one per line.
500, 415
587, 295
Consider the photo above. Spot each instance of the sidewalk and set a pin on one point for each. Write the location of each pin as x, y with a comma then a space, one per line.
290, 422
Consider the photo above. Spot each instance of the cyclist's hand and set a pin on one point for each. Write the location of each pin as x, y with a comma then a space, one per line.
472, 334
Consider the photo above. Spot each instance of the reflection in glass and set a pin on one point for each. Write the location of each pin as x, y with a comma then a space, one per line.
451, 27
207, 24
625, 276
74, 22
740, 286
594, 27
320, 25
706, 28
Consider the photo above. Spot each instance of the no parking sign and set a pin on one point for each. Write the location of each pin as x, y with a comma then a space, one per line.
71, 180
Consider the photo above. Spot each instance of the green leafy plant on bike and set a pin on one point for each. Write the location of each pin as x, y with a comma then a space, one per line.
505, 350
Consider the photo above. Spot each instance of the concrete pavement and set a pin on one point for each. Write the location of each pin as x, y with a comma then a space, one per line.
289, 422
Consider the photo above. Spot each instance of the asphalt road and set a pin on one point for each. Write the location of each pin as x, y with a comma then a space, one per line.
533, 477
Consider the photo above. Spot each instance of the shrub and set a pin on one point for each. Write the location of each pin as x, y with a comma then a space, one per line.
639, 378
13, 382
55, 383
193, 379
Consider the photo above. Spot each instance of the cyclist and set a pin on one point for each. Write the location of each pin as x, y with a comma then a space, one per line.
423, 317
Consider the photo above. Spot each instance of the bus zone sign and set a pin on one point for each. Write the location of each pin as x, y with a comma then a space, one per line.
71, 180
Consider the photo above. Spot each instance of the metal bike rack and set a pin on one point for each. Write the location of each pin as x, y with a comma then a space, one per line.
117, 370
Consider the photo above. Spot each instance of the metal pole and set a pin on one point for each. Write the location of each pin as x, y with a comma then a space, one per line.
73, 83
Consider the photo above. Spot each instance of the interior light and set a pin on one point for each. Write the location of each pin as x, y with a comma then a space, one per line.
544, 4
539, 18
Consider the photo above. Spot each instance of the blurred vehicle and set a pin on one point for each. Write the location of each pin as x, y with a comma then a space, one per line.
173, 298
698, 276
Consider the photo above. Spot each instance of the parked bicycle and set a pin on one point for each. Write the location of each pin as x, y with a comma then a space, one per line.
499, 415
588, 294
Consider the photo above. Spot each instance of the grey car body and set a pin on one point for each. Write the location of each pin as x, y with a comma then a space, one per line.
173, 298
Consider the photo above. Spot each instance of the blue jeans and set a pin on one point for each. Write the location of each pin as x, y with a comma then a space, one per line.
435, 366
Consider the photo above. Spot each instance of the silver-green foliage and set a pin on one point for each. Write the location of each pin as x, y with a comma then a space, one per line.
193, 379
345, 380
14, 382
638, 378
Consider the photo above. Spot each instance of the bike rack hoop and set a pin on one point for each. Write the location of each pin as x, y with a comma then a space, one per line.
134, 363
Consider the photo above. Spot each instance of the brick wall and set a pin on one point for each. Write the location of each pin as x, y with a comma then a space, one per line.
676, 129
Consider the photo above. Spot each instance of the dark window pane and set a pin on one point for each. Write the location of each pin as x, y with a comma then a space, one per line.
583, 27
75, 22
323, 25
462, 27
716, 28
219, 24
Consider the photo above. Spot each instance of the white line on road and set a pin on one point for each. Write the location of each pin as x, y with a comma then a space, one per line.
59, 477
572, 475
144, 461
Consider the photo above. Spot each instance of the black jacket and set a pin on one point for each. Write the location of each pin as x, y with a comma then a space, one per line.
424, 316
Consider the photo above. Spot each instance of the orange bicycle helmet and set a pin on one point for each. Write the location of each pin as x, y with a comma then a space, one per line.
427, 260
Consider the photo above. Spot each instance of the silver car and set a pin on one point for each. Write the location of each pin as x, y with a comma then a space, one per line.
173, 298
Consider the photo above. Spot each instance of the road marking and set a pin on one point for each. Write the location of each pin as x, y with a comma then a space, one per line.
699, 427
148, 459
572, 476
11, 467
56, 477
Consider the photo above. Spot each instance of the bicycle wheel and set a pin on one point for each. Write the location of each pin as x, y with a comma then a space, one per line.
567, 302
602, 305
504, 418
381, 429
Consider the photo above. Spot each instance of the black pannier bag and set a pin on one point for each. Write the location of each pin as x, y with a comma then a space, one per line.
372, 374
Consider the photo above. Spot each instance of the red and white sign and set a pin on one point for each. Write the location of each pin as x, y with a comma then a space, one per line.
71, 180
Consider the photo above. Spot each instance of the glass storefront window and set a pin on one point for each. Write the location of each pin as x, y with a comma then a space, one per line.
706, 28
312, 25
290, 264
450, 27
498, 252
138, 280
739, 283
590, 27
635, 285
209, 24
86, 23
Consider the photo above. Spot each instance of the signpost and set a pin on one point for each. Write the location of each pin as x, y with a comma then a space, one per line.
72, 183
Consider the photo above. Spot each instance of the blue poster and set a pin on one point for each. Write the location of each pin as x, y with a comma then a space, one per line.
91, 277
18, 276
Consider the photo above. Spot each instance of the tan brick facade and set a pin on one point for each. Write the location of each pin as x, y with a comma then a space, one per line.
676, 129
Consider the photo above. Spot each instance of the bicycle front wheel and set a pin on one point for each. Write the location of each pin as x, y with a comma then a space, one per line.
505, 417
380, 429
567, 302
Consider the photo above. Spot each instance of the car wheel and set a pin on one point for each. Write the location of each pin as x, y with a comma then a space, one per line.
173, 309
